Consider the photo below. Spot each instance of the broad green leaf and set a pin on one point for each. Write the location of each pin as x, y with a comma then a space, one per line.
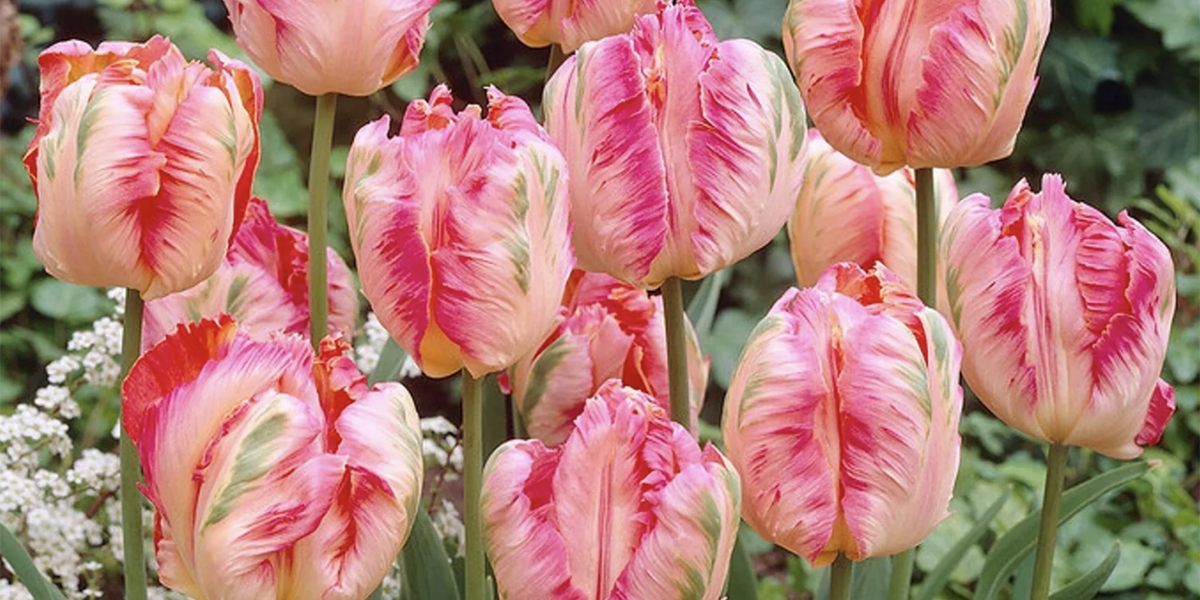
22, 565
65, 302
871, 578
1009, 550
427, 571
742, 584
729, 334
1168, 124
391, 360
936, 580
1086, 587
377, 594
279, 179
703, 307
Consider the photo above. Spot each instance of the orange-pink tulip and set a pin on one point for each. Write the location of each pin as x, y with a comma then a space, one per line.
569, 23
273, 474
909, 82
263, 284
629, 508
842, 418
607, 330
1063, 318
330, 46
142, 163
460, 227
846, 213
684, 150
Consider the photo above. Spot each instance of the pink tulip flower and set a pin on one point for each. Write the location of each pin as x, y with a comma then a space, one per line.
272, 474
1063, 317
846, 213
569, 23
263, 284
684, 151
924, 84
606, 330
142, 163
842, 417
629, 508
329, 46
460, 227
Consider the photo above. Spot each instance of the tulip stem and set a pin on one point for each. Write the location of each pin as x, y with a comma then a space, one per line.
839, 578
901, 578
131, 469
557, 58
927, 234
472, 444
677, 367
318, 217
1056, 466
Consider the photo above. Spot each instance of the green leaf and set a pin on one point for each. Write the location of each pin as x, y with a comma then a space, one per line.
1009, 550
871, 578
14, 552
742, 584
1086, 587
1168, 125
1178, 20
729, 334
391, 361
65, 302
703, 307
936, 580
279, 178
427, 571
11, 304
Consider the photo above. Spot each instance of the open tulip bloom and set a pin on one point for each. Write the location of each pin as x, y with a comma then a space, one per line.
842, 418
569, 23
273, 474
628, 508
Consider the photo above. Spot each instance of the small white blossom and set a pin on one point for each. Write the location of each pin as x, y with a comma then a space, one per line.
96, 471
449, 525
58, 370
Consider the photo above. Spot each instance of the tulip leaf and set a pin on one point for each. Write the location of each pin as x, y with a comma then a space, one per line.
741, 585
391, 361
495, 416
937, 579
1006, 554
22, 565
1086, 587
703, 308
427, 571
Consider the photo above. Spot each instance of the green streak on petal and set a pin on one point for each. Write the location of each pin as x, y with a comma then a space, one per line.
543, 365
254, 459
234, 300
91, 113
517, 245
193, 312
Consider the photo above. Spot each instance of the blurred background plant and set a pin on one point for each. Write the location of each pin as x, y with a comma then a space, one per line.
1117, 111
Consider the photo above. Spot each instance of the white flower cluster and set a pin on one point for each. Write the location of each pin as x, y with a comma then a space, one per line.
99, 352
441, 447
449, 525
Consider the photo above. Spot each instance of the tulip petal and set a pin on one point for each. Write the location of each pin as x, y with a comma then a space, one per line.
1162, 406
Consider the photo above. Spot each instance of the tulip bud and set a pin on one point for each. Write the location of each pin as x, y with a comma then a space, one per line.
923, 84
329, 46
1063, 317
273, 475
263, 284
684, 151
607, 330
842, 418
569, 23
628, 508
460, 227
142, 163
846, 213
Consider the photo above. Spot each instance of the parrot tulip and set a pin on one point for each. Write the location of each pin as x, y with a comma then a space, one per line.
1063, 318
569, 23
263, 284
607, 330
326, 46
142, 163
460, 227
628, 508
684, 151
845, 213
272, 474
842, 418
924, 84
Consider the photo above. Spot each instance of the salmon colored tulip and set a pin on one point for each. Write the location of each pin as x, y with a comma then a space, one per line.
846, 213
329, 46
569, 23
1063, 317
273, 474
684, 151
842, 417
607, 330
910, 82
263, 284
142, 163
460, 227
629, 508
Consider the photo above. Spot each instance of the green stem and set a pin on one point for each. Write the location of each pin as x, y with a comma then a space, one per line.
472, 444
557, 58
318, 217
131, 470
927, 234
518, 421
901, 578
839, 578
677, 367
1056, 466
